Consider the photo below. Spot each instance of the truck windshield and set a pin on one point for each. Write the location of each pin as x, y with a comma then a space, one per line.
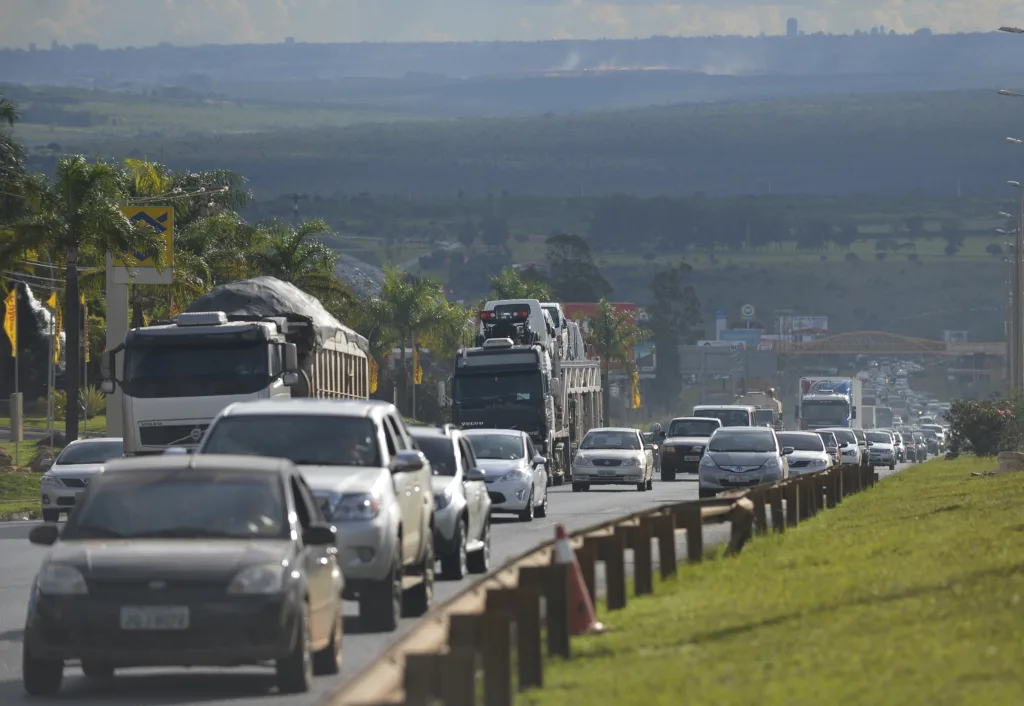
692, 427
484, 391
219, 368
303, 439
825, 411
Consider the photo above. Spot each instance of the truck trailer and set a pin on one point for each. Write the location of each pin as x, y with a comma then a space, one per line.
247, 340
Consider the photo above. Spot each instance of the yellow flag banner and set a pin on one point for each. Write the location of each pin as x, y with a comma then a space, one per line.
373, 375
56, 336
175, 311
52, 301
636, 391
11, 320
85, 320
145, 319
417, 371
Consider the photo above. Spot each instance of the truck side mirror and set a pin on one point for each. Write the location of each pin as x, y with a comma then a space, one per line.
555, 387
107, 368
291, 358
853, 414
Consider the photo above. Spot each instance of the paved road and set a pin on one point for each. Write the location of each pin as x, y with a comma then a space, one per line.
255, 686
21, 560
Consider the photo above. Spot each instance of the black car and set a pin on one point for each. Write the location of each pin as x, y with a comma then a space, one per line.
187, 560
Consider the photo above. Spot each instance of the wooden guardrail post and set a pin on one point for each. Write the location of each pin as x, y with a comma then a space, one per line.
421, 682
613, 554
643, 565
775, 497
587, 556
528, 634
830, 488
792, 494
840, 487
691, 521
803, 488
742, 524
814, 486
497, 648
759, 497
457, 677
553, 580
665, 528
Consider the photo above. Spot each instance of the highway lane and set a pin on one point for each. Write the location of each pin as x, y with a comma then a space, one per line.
256, 686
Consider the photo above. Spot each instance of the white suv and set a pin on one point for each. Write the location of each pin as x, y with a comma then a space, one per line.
365, 471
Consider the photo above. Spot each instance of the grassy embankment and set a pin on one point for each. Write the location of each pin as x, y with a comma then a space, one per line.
37, 423
19, 489
907, 594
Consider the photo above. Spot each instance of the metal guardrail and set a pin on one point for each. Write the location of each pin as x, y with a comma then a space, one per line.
463, 651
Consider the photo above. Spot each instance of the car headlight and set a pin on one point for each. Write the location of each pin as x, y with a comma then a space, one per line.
706, 461
819, 464
443, 499
516, 474
631, 462
772, 462
261, 579
581, 461
61, 580
344, 508
51, 481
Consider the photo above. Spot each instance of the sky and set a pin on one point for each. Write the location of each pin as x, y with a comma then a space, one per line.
118, 23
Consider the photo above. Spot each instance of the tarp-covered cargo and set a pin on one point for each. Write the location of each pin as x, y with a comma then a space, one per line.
262, 297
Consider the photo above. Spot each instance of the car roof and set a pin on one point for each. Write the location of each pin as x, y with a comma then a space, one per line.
602, 429
341, 408
745, 430
425, 430
480, 432
696, 419
200, 462
725, 406
801, 433
94, 440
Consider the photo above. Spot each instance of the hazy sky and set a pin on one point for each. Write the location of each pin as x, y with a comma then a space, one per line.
115, 23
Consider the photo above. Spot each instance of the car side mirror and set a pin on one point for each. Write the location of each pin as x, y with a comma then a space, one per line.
787, 450
44, 534
870, 444
408, 461
476, 474
649, 447
319, 535
555, 386
539, 460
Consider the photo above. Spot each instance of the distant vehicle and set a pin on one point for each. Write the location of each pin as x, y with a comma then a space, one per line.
809, 453
940, 433
828, 402
831, 445
883, 417
731, 415
517, 481
187, 561
685, 444
462, 507
613, 456
69, 476
882, 449
849, 446
739, 457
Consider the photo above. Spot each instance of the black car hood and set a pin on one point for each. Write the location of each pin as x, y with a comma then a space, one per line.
177, 559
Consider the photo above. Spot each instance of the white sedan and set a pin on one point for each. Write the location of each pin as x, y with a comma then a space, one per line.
613, 456
809, 453
516, 477
70, 473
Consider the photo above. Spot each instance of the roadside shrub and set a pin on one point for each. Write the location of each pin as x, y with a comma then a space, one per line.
981, 427
90, 398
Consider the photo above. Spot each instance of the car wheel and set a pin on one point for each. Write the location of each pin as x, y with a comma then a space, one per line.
586, 487
453, 564
706, 493
380, 606
480, 561
51, 515
295, 671
40, 677
650, 483
558, 479
577, 487
641, 486
542, 510
97, 670
892, 466
668, 475
328, 660
527, 514
417, 599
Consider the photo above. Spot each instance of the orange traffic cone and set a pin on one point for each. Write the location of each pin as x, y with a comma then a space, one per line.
581, 619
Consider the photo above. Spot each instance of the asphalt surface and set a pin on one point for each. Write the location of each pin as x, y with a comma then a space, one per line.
236, 687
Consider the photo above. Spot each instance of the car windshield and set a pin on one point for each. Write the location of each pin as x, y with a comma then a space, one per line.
90, 452
611, 440
693, 427
878, 437
743, 441
801, 442
304, 439
728, 417
440, 451
845, 436
182, 504
506, 447
829, 439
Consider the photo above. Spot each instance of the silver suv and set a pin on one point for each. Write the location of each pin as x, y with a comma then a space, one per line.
370, 480
462, 525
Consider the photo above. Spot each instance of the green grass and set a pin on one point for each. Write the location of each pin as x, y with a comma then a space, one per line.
19, 494
39, 422
908, 594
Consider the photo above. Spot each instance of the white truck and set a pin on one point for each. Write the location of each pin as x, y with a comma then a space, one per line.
248, 340
829, 402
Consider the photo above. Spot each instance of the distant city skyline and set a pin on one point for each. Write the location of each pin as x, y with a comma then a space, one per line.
120, 23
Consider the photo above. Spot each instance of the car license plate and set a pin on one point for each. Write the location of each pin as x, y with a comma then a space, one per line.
606, 473
691, 459
154, 617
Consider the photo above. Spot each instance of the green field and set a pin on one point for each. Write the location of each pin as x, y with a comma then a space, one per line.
907, 594
19, 492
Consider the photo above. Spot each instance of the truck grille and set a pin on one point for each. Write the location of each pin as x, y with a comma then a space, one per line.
171, 435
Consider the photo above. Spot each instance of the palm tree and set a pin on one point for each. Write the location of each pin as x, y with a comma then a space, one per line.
613, 335
511, 284
296, 255
77, 217
12, 161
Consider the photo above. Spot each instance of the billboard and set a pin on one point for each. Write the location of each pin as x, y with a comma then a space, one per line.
643, 353
803, 325
749, 337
